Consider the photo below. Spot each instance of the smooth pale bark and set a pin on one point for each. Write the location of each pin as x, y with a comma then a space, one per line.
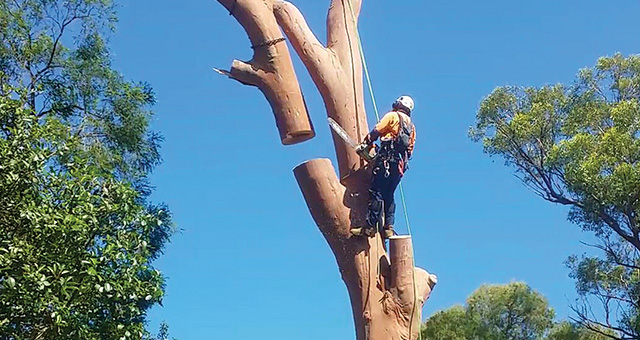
270, 69
336, 70
386, 291
381, 288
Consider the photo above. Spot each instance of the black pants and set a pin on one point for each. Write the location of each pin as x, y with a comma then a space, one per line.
386, 177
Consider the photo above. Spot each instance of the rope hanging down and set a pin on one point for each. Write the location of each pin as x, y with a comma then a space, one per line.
375, 109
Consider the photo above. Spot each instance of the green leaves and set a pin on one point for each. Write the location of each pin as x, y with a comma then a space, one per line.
579, 146
72, 257
615, 280
576, 145
512, 312
568, 331
498, 312
77, 233
449, 324
503, 312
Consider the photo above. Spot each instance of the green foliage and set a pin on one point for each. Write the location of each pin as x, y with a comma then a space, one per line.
498, 312
568, 331
163, 333
578, 146
76, 83
615, 281
76, 242
503, 312
511, 312
77, 234
449, 324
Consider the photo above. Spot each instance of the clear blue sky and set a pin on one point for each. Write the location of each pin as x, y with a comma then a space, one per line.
250, 261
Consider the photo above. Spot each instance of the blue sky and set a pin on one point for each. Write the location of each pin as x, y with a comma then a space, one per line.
249, 260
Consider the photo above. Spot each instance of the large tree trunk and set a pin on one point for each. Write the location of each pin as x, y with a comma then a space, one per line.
386, 291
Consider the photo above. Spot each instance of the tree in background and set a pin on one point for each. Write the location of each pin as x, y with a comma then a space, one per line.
448, 324
502, 312
498, 312
509, 312
77, 232
578, 146
568, 331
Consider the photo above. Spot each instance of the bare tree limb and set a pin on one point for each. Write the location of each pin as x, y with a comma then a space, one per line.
271, 69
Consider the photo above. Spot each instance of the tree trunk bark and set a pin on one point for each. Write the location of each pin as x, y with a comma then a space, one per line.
386, 291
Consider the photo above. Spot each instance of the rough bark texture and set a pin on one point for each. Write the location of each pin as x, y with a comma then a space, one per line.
386, 291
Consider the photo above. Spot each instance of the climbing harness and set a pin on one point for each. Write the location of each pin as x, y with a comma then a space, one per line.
375, 108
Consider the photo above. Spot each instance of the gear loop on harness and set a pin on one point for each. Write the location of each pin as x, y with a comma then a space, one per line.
268, 43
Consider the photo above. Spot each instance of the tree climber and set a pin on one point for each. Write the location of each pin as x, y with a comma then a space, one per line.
397, 138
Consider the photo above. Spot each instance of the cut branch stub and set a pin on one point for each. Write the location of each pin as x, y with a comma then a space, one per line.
401, 256
410, 285
270, 69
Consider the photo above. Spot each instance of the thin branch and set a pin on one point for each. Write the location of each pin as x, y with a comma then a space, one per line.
610, 252
611, 222
50, 110
54, 48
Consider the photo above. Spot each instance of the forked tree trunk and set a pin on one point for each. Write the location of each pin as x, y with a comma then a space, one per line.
386, 291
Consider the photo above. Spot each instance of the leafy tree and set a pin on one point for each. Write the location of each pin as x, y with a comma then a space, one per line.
77, 232
498, 312
568, 331
578, 146
75, 83
449, 324
510, 312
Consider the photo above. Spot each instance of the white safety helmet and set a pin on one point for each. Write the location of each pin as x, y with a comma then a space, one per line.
404, 102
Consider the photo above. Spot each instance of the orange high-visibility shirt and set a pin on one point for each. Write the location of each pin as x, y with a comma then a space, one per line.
389, 126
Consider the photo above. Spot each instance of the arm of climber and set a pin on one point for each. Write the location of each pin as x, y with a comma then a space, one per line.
383, 127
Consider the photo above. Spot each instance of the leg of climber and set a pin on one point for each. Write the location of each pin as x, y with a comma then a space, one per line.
376, 199
389, 202
376, 202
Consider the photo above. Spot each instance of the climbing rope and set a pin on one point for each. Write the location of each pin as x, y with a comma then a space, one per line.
375, 109
373, 100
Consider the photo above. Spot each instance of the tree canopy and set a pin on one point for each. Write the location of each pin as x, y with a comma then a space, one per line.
500, 312
77, 232
503, 312
578, 146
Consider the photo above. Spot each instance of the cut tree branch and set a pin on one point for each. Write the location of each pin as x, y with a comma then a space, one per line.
271, 69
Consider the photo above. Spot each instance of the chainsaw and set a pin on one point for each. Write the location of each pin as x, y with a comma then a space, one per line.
368, 153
